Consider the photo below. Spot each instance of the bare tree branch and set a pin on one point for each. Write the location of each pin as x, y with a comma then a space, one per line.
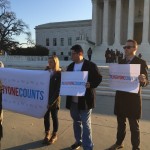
10, 27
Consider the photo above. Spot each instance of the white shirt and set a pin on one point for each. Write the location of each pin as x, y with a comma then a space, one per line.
77, 67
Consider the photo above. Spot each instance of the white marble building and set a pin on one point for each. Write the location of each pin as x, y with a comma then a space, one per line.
113, 22
60, 36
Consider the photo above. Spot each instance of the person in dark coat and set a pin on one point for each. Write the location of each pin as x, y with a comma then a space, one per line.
1, 112
140, 55
89, 53
129, 105
1, 109
81, 107
53, 101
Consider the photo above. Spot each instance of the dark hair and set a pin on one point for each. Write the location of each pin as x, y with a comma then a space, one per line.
77, 48
133, 41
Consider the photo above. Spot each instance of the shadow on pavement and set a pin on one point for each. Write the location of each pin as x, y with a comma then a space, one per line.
67, 148
33, 145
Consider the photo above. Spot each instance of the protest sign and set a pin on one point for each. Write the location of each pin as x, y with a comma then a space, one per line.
124, 77
73, 83
25, 91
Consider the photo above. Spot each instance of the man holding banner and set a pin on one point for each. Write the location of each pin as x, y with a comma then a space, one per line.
81, 106
127, 104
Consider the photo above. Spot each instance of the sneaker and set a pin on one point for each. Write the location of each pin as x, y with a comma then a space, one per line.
53, 139
115, 146
76, 145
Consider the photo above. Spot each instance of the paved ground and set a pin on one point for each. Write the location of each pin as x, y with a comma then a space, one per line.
25, 133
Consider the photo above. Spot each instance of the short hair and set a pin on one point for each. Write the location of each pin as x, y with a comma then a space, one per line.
56, 60
134, 42
77, 48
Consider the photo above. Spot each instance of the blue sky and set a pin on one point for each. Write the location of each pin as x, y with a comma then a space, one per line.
36, 12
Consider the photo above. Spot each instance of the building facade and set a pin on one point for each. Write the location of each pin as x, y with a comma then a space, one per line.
60, 36
115, 21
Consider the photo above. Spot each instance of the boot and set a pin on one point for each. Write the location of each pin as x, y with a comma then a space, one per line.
47, 137
53, 138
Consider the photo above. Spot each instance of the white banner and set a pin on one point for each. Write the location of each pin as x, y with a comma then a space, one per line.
73, 83
124, 77
25, 91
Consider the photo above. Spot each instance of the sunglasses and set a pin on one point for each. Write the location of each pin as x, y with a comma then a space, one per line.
128, 47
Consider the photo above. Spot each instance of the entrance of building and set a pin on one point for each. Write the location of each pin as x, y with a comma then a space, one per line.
138, 30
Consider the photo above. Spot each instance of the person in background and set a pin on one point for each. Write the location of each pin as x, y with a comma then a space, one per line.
81, 107
129, 105
140, 55
53, 101
89, 53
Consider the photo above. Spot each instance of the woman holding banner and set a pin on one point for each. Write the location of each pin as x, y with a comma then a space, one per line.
1, 112
54, 100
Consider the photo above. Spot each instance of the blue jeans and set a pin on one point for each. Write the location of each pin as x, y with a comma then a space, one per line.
82, 126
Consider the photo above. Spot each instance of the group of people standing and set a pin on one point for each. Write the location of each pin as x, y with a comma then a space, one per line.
80, 107
112, 56
127, 105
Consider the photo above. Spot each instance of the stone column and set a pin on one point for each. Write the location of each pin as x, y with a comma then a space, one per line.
146, 22
94, 21
105, 23
131, 19
117, 22
99, 23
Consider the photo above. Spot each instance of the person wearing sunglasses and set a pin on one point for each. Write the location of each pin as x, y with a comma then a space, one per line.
129, 105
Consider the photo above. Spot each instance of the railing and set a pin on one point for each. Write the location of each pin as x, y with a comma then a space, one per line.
23, 58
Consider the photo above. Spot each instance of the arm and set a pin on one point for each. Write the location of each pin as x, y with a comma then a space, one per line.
95, 78
143, 77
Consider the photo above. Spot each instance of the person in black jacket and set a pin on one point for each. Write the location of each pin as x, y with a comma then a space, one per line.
1, 112
1, 108
129, 105
89, 53
81, 107
54, 100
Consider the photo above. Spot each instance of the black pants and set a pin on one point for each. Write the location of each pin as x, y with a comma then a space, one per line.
135, 132
89, 57
54, 115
